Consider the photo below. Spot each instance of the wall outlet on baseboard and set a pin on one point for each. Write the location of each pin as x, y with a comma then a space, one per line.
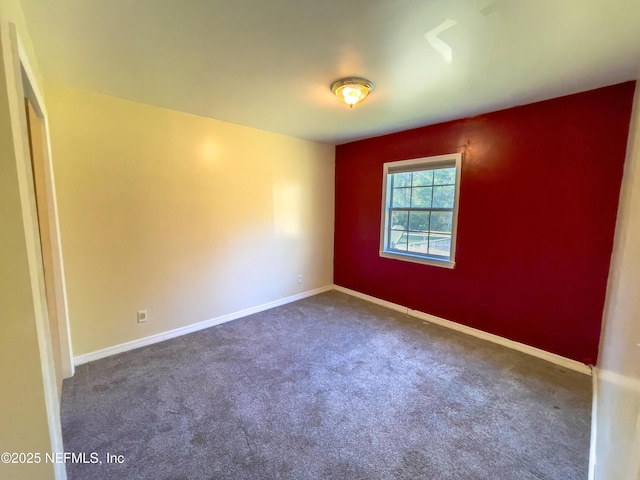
141, 316
299, 278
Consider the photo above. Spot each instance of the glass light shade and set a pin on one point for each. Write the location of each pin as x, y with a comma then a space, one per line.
352, 91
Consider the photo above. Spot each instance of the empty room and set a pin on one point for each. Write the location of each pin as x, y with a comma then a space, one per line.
297, 239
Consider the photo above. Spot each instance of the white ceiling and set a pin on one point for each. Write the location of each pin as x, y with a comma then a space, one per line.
268, 64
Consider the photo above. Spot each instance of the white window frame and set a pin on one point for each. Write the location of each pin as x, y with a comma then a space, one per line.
448, 160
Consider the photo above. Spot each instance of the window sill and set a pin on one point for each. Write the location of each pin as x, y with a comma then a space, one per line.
417, 259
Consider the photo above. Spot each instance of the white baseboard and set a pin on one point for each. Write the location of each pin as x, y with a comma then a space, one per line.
521, 347
160, 337
369, 298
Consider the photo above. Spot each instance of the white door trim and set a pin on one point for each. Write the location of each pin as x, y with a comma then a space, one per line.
32, 92
16, 81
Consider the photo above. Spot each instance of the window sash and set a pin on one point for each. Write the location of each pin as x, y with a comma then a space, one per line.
420, 209
387, 249
438, 165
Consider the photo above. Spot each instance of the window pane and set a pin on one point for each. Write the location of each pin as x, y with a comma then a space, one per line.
444, 176
440, 245
401, 197
443, 197
418, 242
421, 197
400, 220
398, 240
419, 221
401, 179
441, 222
424, 178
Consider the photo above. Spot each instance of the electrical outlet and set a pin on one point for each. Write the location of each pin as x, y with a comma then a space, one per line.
299, 278
142, 316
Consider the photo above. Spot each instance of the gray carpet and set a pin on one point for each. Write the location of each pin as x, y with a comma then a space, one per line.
330, 387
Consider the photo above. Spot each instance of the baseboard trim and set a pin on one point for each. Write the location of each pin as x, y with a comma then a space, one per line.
505, 342
160, 337
369, 298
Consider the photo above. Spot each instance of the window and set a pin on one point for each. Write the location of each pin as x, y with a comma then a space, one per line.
420, 209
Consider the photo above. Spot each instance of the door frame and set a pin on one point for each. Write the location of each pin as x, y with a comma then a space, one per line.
31, 91
22, 83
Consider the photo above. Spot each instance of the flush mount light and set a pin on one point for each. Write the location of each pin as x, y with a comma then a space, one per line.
352, 90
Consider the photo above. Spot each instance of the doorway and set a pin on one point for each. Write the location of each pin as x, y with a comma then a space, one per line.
37, 337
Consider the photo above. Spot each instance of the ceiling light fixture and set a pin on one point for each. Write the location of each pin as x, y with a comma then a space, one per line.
352, 90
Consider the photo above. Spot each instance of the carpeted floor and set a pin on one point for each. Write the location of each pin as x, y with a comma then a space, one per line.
330, 387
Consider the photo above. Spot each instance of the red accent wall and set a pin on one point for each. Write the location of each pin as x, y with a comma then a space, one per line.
538, 203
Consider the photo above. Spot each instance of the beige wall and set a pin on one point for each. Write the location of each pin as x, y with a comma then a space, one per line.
187, 217
617, 444
24, 360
